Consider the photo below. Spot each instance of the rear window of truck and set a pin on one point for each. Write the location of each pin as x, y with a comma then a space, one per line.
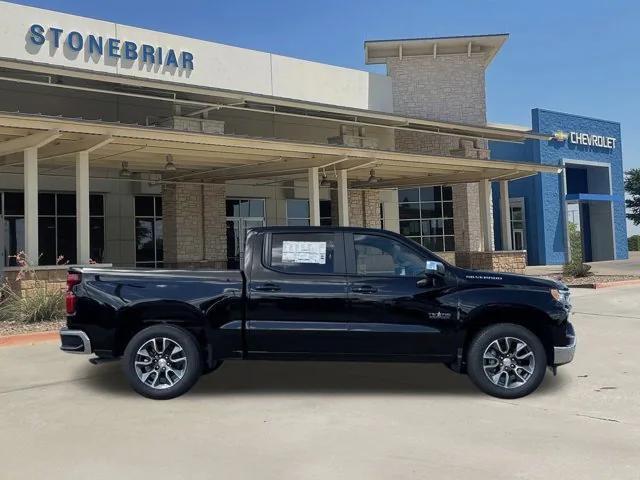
312, 253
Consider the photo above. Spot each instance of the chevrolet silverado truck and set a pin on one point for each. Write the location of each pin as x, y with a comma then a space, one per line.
321, 293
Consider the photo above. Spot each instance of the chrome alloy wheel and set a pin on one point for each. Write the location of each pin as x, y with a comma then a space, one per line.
160, 363
509, 362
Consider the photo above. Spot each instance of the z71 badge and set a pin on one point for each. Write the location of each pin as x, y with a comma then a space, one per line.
439, 316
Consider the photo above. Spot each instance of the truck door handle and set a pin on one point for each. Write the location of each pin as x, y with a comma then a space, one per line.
266, 287
366, 289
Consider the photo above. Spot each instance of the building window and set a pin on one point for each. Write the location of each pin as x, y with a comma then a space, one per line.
56, 227
298, 212
426, 217
148, 218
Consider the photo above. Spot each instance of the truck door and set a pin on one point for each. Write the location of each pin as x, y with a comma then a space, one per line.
395, 308
297, 294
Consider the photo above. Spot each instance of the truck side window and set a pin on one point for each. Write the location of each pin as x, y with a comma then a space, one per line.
304, 252
377, 255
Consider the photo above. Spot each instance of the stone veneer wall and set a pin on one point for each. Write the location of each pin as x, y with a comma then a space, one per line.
364, 208
447, 256
448, 88
194, 226
512, 261
54, 278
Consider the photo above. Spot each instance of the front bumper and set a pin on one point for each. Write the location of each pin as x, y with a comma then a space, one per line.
74, 341
564, 354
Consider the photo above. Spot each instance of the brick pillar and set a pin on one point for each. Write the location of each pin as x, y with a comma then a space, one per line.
371, 208
194, 226
215, 226
466, 217
364, 208
356, 215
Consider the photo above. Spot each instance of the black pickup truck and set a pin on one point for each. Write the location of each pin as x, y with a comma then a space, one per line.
321, 293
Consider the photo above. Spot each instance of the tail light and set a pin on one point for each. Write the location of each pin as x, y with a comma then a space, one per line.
73, 279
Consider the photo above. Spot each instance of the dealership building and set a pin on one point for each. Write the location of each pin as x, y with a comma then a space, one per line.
131, 147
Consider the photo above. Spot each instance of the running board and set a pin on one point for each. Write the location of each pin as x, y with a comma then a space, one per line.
101, 360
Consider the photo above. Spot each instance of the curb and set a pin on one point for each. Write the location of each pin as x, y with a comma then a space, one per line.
619, 283
29, 338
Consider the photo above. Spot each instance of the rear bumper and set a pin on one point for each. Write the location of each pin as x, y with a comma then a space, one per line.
564, 354
74, 341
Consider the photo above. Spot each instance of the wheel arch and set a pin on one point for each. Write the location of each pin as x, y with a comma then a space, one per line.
529, 317
142, 315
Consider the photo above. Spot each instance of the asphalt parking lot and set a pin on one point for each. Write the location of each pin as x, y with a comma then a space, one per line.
61, 417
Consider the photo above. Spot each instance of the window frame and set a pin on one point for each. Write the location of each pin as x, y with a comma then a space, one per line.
308, 219
55, 216
340, 252
352, 267
421, 203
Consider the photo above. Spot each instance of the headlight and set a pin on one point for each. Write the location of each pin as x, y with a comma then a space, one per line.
560, 295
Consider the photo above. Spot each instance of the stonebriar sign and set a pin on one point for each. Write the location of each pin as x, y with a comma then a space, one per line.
114, 48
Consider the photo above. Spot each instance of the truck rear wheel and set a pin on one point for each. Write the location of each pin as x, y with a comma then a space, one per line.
162, 362
506, 361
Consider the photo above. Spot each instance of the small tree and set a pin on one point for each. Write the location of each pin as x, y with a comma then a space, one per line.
575, 243
632, 187
574, 267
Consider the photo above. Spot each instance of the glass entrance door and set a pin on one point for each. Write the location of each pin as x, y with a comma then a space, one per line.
242, 215
237, 229
518, 235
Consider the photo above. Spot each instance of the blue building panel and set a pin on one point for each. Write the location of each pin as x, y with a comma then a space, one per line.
587, 145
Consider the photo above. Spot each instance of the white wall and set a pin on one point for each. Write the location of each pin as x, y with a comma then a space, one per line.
215, 65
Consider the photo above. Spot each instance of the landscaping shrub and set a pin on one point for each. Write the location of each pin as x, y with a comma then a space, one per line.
40, 304
634, 243
576, 270
575, 267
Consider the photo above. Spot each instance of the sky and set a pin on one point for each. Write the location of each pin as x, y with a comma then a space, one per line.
579, 57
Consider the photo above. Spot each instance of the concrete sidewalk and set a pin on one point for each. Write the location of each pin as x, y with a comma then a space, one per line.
62, 418
631, 266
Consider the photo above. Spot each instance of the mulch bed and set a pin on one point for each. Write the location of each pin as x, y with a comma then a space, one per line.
18, 328
593, 280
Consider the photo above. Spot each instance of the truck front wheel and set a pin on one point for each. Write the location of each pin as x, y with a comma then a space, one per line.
162, 362
506, 361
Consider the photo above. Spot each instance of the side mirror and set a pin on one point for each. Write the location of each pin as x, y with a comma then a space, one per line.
434, 268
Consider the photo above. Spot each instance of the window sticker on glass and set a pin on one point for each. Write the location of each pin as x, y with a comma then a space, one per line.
304, 252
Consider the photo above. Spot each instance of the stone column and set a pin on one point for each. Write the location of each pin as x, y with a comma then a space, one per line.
215, 226
194, 222
182, 223
356, 214
364, 208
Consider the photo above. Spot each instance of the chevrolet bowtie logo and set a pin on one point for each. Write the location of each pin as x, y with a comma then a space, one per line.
560, 136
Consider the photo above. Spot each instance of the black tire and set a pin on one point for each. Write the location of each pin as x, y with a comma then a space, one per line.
509, 385
216, 365
190, 367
